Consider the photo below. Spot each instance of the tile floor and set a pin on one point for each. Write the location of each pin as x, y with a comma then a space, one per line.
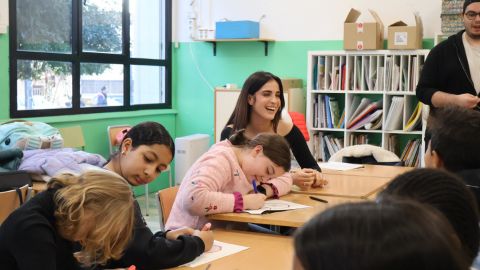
153, 217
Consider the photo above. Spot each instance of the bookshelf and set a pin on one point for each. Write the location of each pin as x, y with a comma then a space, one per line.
357, 97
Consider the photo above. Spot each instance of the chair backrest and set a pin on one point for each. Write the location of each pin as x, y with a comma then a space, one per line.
11, 200
73, 137
112, 132
366, 154
166, 198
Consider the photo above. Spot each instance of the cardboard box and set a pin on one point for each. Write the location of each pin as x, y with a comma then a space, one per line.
360, 35
404, 37
237, 29
289, 83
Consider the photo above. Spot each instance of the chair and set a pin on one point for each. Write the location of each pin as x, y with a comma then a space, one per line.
12, 199
113, 132
73, 137
114, 143
166, 198
366, 154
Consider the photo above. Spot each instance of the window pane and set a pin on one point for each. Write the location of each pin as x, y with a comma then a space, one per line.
147, 29
44, 29
43, 85
147, 85
102, 26
101, 85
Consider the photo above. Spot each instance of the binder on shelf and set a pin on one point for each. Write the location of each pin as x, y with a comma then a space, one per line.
414, 119
395, 114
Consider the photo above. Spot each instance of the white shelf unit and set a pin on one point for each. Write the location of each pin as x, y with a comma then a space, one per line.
379, 75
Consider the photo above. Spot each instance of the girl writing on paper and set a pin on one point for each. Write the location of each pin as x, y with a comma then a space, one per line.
259, 108
220, 181
145, 151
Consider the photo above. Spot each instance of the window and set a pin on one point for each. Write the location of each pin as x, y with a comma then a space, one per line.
86, 56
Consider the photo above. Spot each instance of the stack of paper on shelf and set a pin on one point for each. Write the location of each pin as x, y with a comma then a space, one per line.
414, 119
395, 114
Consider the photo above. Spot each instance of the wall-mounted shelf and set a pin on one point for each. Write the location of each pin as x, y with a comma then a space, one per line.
214, 42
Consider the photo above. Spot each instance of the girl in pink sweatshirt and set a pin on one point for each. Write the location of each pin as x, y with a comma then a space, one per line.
220, 181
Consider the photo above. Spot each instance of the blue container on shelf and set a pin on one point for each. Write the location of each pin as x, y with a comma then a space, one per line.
237, 29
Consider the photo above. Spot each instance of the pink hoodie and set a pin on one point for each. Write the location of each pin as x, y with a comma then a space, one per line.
208, 188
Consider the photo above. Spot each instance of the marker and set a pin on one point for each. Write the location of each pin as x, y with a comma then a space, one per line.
254, 184
318, 199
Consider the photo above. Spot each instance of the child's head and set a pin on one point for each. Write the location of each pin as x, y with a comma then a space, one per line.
146, 150
96, 210
262, 94
266, 156
368, 236
454, 143
446, 193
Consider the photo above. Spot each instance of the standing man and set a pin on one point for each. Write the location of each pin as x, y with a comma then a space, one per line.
451, 73
102, 97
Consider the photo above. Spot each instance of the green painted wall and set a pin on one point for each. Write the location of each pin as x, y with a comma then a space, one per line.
234, 62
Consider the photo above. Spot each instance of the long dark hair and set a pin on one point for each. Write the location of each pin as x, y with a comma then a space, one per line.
275, 147
241, 114
448, 194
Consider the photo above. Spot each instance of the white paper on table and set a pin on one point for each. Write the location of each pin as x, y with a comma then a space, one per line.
219, 250
339, 166
276, 205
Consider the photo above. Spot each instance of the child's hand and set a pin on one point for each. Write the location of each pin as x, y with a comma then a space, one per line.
253, 201
174, 234
207, 238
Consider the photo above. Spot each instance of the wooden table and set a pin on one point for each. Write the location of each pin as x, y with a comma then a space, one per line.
349, 186
293, 218
265, 252
372, 171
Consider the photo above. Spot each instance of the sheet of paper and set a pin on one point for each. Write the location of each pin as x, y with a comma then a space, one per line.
339, 166
219, 250
276, 205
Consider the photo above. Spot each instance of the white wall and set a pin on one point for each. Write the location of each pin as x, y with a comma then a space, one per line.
305, 19
3, 12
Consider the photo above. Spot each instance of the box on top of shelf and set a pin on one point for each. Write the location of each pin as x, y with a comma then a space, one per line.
289, 83
404, 37
361, 35
237, 29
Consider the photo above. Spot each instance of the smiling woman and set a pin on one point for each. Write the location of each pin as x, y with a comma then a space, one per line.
258, 109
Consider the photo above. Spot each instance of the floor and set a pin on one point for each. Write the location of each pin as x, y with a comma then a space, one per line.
153, 216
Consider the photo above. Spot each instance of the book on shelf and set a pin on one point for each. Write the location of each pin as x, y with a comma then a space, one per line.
341, 122
374, 125
395, 78
356, 111
321, 73
334, 111
368, 119
335, 77
358, 73
343, 74
415, 118
369, 109
328, 112
395, 114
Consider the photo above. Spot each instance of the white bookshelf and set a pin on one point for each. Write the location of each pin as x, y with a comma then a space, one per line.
378, 75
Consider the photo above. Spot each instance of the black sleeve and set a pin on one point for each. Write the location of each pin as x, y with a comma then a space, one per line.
300, 149
226, 133
154, 251
428, 81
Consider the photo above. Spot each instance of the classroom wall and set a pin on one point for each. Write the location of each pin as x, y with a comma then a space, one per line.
297, 27
94, 125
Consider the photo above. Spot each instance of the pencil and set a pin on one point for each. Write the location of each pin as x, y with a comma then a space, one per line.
254, 184
318, 199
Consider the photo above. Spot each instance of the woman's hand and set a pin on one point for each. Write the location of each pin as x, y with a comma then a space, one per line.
305, 178
253, 201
